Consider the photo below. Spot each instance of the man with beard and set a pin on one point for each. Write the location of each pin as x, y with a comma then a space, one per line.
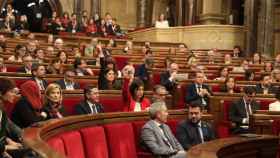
265, 87
193, 130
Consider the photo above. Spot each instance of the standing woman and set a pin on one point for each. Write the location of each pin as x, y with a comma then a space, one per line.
10, 134
29, 108
53, 101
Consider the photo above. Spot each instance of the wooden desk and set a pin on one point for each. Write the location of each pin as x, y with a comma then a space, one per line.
264, 146
261, 122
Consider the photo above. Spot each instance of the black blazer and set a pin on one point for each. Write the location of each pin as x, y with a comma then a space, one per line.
21, 69
24, 115
45, 83
62, 85
188, 136
164, 80
192, 95
271, 89
83, 108
237, 111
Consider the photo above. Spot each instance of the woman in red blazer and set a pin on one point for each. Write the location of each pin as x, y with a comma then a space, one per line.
133, 95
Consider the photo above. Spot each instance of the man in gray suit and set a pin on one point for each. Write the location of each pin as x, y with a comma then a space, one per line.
157, 136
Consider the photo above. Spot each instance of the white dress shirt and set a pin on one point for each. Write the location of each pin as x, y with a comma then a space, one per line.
275, 106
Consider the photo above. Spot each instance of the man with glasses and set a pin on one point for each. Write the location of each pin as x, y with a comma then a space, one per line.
68, 83
241, 110
91, 104
199, 91
159, 94
27, 60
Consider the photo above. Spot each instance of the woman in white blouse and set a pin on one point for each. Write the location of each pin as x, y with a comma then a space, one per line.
162, 23
275, 106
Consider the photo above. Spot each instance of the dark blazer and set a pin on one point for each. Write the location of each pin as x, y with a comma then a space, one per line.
21, 69
142, 73
192, 95
62, 85
271, 89
188, 136
24, 115
83, 108
237, 111
45, 83
164, 80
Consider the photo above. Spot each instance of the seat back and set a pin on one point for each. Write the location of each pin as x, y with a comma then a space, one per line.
57, 144
73, 144
120, 138
95, 145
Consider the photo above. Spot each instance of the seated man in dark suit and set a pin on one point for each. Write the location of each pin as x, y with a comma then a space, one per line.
157, 136
241, 109
27, 61
91, 103
68, 83
38, 72
265, 87
193, 130
198, 91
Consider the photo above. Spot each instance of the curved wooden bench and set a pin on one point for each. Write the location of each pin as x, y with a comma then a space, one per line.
114, 135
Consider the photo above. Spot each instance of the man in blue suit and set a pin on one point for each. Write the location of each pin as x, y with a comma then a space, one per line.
198, 91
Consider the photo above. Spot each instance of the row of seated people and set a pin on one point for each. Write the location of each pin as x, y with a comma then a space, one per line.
52, 109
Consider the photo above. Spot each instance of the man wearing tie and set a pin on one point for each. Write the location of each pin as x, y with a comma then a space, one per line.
68, 82
91, 103
198, 91
38, 72
157, 136
241, 110
193, 130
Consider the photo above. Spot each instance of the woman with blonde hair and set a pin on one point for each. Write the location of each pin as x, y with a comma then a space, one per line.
53, 101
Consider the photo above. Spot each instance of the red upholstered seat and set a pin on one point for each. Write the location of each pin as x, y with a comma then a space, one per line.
156, 78
121, 61
57, 144
70, 102
216, 88
223, 127
137, 127
73, 144
95, 145
20, 81
172, 123
112, 103
265, 104
120, 139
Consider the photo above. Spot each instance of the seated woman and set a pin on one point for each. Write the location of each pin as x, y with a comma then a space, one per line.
256, 59
109, 81
268, 67
29, 108
81, 67
227, 59
62, 56
229, 86
162, 22
53, 101
10, 134
275, 106
20, 51
55, 67
133, 95
223, 74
